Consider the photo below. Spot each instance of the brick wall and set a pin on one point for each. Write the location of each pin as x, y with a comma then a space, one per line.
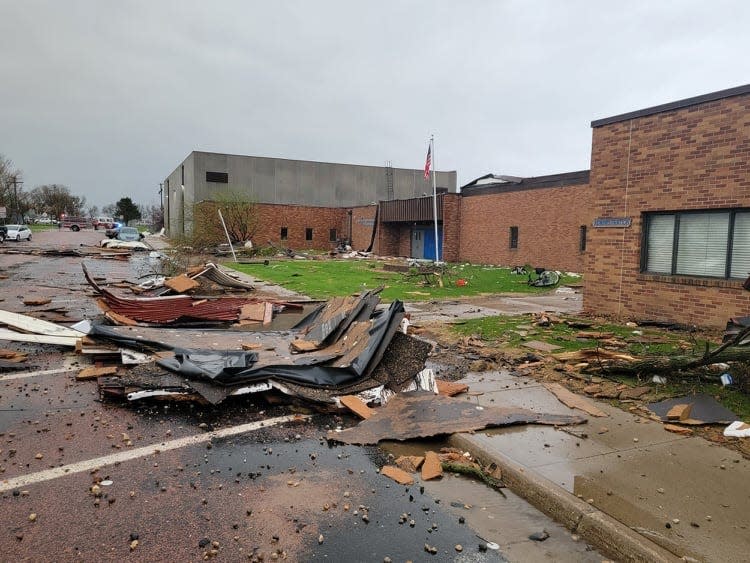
297, 218
394, 239
363, 222
548, 221
451, 227
692, 158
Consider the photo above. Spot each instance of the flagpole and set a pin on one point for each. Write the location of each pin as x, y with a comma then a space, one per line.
434, 198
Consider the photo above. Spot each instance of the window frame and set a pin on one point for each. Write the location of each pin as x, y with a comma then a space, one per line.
332, 235
646, 222
582, 238
513, 237
217, 177
284, 233
308, 233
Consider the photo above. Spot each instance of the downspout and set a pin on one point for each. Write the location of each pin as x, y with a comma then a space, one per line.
624, 231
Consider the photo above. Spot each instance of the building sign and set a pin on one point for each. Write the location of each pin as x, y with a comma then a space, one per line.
366, 222
617, 222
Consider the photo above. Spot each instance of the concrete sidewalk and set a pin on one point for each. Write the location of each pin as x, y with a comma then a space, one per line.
685, 494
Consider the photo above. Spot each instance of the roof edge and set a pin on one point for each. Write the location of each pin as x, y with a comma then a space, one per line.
312, 161
577, 176
679, 104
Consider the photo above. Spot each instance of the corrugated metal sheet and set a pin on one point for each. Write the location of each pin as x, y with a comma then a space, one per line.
410, 210
169, 309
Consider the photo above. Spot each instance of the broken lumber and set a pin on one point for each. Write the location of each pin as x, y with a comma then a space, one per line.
399, 475
357, 406
573, 401
680, 412
409, 463
94, 372
450, 388
595, 335
432, 468
678, 429
181, 283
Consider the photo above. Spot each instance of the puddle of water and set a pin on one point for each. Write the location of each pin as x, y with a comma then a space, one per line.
506, 521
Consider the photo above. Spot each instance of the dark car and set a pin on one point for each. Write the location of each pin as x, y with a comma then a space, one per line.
3, 233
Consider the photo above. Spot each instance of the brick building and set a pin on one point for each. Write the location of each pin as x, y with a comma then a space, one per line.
515, 221
671, 193
301, 202
660, 225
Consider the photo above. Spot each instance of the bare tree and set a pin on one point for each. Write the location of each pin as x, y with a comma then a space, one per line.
56, 199
240, 213
12, 196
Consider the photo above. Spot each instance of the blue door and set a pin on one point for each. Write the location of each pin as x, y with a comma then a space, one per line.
429, 242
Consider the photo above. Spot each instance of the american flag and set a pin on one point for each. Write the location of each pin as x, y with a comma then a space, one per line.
428, 163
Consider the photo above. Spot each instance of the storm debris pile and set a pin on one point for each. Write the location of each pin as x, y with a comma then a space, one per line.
346, 346
164, 301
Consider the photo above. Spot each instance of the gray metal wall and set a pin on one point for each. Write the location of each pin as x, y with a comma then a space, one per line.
178, 202
277, 180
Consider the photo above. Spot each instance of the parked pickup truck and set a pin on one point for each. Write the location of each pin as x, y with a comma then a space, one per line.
3, 233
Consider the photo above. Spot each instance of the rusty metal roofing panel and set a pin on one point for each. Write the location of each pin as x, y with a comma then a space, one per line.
169, 309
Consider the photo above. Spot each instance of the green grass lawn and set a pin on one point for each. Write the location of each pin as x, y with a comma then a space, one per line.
514, 330
326, 278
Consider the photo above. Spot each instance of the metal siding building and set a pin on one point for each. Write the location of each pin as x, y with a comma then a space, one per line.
203, 176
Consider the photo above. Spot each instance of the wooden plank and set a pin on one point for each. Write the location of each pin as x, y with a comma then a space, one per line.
253, 312
432, 468
31, 301
303, 345
93, 372
450, 388
399, 475
181, 283
268, 314
12, 355
678, 429
36, 326
6, 334
574, 401
679, 412
540, 346
357, 406
596, 335
410, 463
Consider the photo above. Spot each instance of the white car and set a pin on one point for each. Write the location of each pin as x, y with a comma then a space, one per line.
18, 232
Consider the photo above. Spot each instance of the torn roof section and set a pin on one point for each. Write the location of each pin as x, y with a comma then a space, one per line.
496, 183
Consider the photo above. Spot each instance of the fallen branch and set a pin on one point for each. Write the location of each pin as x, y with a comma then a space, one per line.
477, 473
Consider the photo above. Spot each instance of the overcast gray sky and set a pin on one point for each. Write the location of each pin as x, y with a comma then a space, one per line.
108, 97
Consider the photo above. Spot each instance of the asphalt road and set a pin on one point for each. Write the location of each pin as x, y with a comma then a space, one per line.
88, 480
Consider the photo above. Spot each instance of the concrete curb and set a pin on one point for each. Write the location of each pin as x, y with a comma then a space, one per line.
611, 537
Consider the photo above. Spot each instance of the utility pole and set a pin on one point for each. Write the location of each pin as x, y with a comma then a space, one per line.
16, 210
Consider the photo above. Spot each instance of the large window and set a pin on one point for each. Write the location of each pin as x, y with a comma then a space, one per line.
513, 236
217, 177
705, 243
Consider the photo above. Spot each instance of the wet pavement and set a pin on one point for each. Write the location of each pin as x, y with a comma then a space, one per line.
684, 493
92, 480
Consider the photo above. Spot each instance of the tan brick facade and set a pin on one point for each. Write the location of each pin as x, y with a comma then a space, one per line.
691, 158
548, 221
